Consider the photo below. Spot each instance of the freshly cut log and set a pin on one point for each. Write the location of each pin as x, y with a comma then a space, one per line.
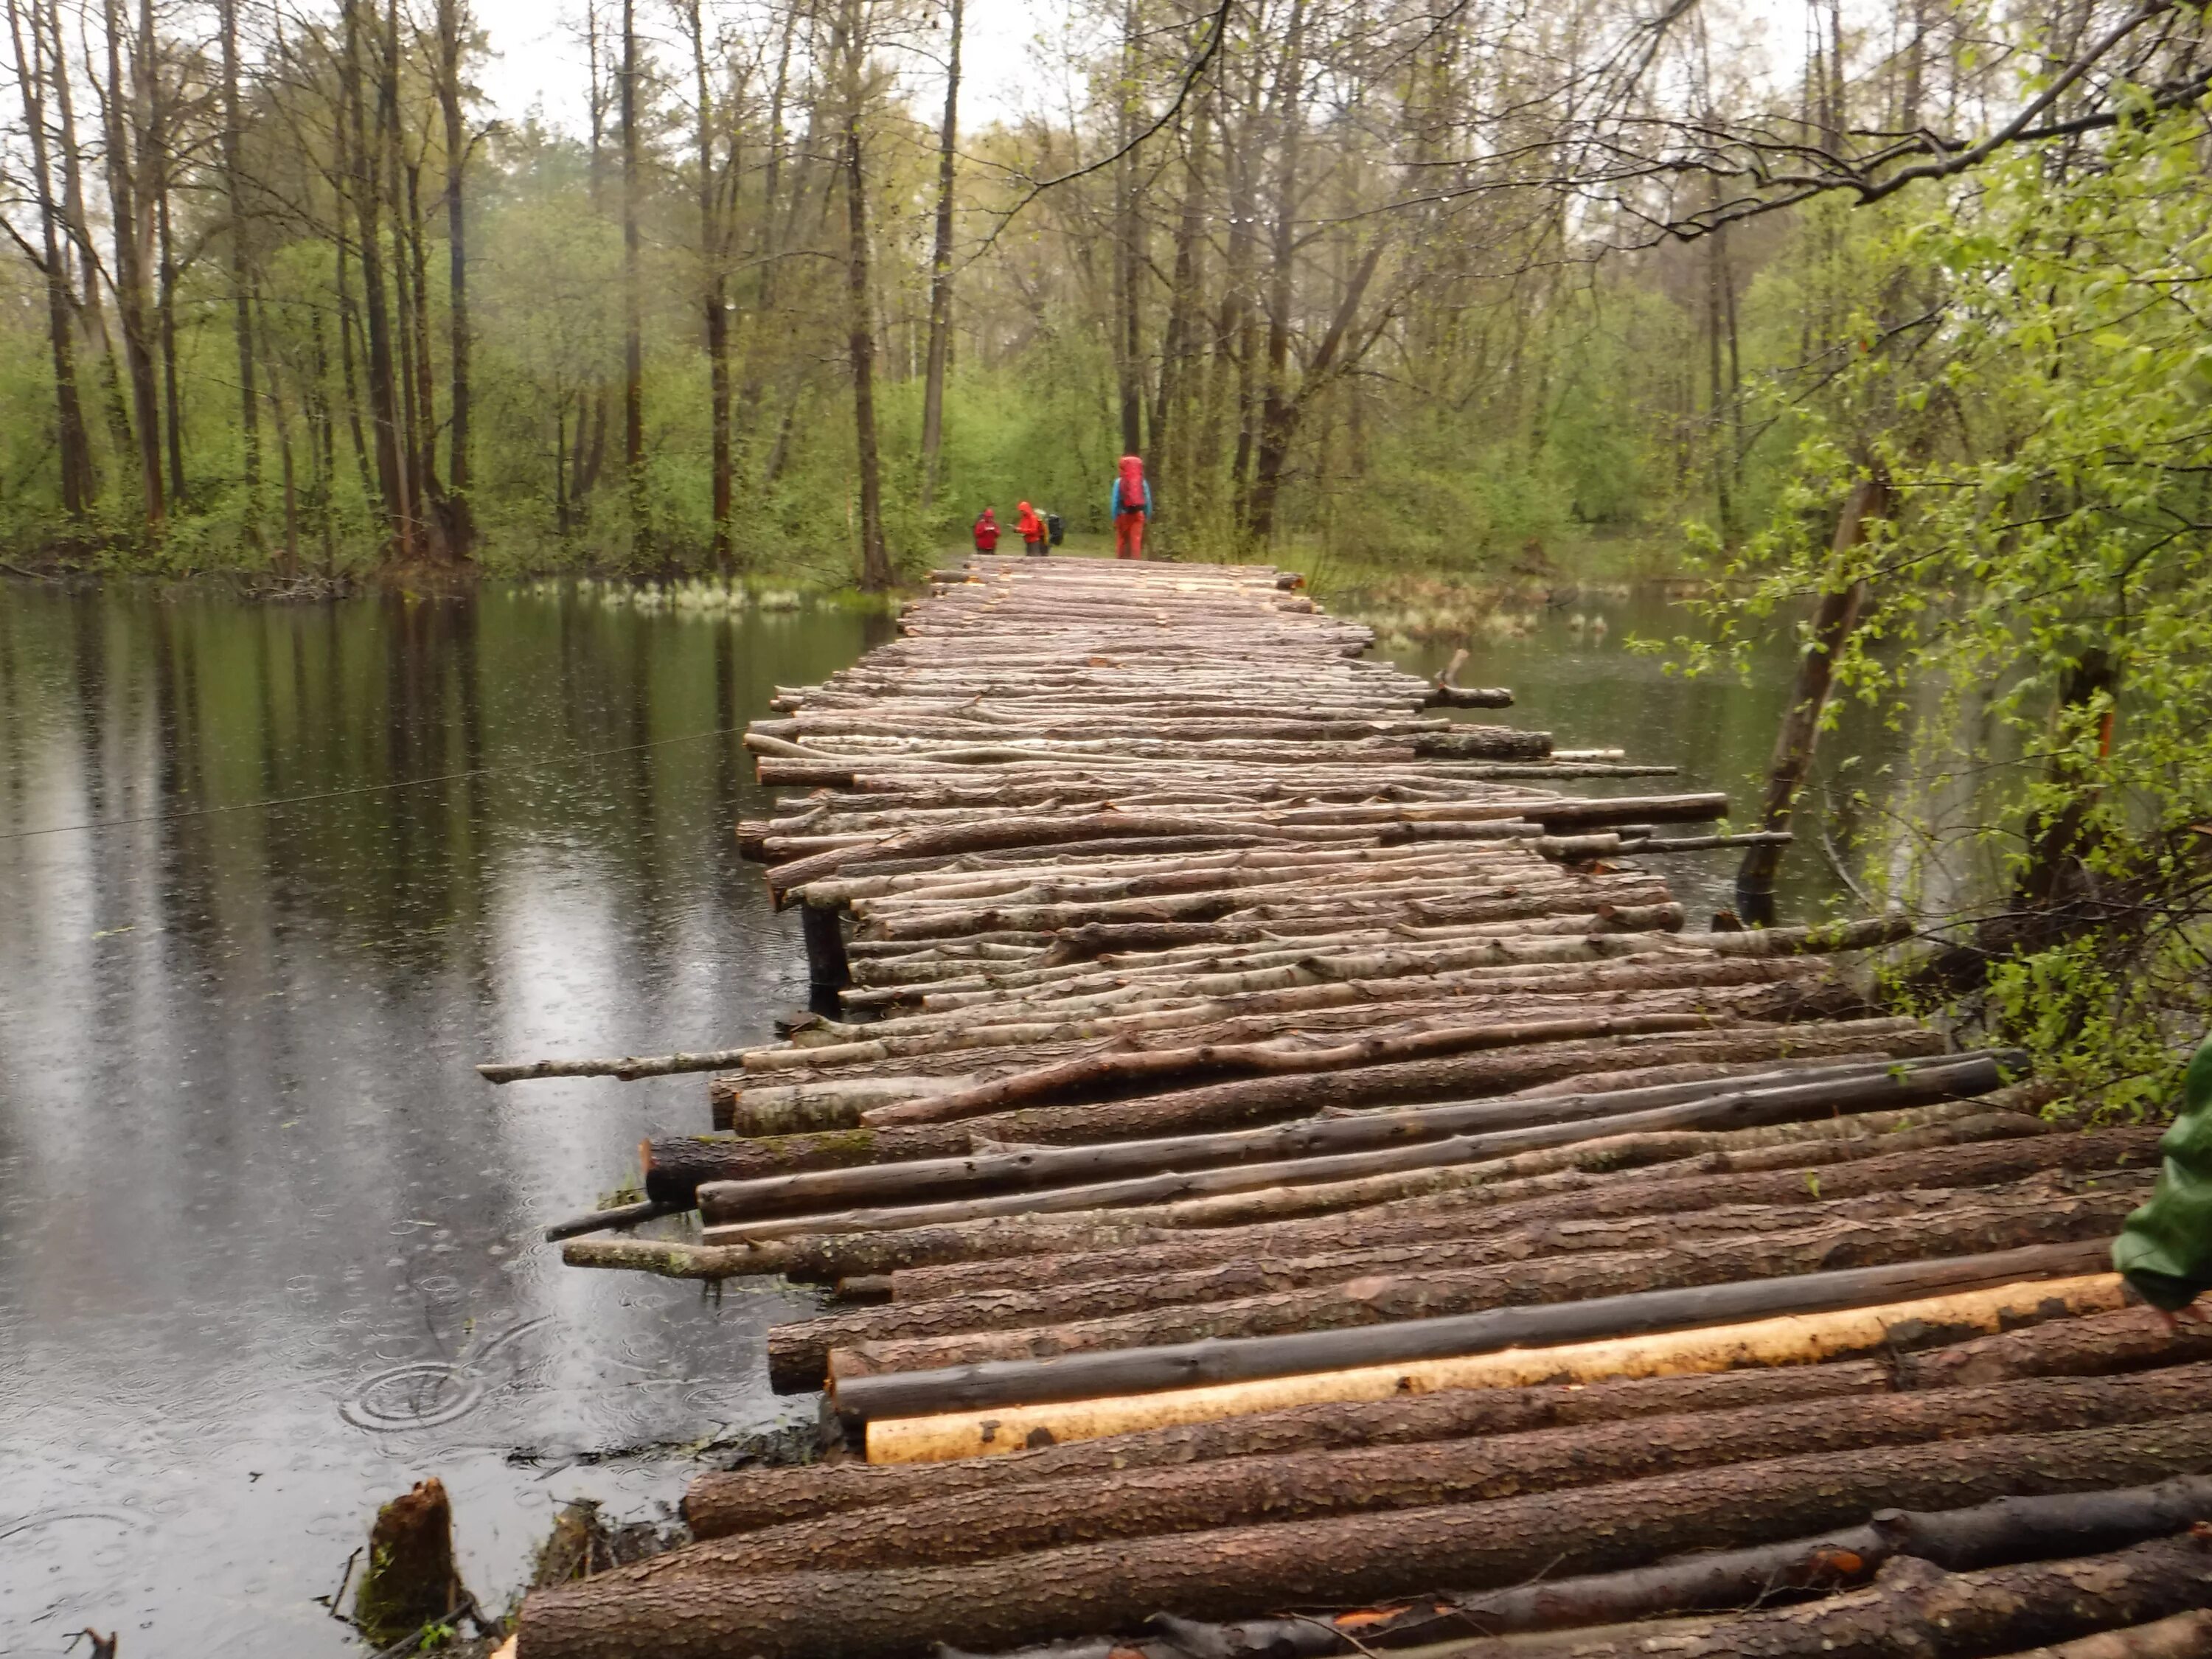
959, 1332
1786, 1340
1557, 1222
2005, 1531
745, 1500
1236, 1492
900, 1613
1339, 1147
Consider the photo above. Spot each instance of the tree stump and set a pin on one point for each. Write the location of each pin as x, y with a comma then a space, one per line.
411, 1580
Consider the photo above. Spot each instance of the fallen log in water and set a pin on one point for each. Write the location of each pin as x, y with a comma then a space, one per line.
900, 1613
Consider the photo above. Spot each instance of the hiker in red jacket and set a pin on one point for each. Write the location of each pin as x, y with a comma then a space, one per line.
1132, 504
987, 532
1032, 529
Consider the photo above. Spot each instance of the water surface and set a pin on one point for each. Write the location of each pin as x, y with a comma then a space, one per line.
267, 1245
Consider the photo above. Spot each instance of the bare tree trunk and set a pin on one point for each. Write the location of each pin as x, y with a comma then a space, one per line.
384, 408
165, 311
860, 336
133, 228
1128, 342
940, 271
633, 293
290, 563
460, 524
1832, 624
241, 282
714, 254
73, 443
1182, 299
90, 305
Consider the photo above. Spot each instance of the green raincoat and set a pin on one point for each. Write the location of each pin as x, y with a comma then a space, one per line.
2164, 1248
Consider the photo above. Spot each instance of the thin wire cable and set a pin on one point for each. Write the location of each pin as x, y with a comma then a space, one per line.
363, 788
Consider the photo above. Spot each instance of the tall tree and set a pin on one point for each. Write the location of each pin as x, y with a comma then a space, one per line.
461, 524
72, 441
850, 50
242, 278
633, 208
940, 266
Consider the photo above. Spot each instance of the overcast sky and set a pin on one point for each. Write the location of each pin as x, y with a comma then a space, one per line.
1015, 59
538, 59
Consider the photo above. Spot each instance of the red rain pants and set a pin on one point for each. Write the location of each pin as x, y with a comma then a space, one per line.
1129, 535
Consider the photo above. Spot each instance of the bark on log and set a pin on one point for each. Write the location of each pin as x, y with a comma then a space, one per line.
1789, 1339
936, 1336
1334, 1147
2093, 1344
745, 1500
2005, 1531
977, 1525
1089, 1376
1559, 1222
1110, 1071
873, 1241
2184, 1636
675, 1169
898, 1613
1915, 1610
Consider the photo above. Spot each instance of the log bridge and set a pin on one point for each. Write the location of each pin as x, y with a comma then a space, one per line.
1284, 1181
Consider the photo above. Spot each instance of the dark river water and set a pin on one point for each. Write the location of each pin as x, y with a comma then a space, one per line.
267, 1247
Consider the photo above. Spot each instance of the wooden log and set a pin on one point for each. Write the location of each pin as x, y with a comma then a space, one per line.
1109, 1315
976, 1525
627, 1068
1329, 1148
615, 1215
676, 1259
2007, 1530
2184, 1636
1783, 1340
898, 1613
745, 1500
1110, 1071
2095, 1344
1562, 1221
1241, 1102
1610, 1153
1915, 1610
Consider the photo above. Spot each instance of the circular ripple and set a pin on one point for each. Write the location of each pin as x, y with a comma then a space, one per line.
423, 1395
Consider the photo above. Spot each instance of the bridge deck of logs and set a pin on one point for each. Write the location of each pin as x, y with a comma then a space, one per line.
1284, 1180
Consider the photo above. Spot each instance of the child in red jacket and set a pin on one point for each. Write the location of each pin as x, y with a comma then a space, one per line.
987, 532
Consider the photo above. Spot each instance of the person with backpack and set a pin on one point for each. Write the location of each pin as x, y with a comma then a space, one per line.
987, 532
1032, 529
1130, 505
